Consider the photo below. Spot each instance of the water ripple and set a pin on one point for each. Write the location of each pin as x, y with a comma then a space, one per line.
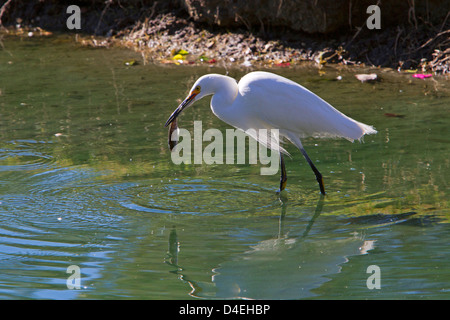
21, 155
52, 218
199, 197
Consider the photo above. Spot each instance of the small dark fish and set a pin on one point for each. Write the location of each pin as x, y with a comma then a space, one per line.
173, 127
394, 115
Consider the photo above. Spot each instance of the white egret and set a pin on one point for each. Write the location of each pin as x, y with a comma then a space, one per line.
263, 100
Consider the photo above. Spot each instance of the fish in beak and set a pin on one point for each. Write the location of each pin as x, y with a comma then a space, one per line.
173, 138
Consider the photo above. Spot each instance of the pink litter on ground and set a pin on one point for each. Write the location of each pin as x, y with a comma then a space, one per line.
421, 76
283, 64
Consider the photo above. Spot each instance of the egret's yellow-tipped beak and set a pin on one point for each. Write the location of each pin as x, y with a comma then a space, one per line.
183, 105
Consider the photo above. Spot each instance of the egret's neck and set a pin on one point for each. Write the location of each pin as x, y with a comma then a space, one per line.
226, 90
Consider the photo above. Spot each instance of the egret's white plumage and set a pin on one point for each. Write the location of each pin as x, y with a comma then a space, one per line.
295, 109
263, 100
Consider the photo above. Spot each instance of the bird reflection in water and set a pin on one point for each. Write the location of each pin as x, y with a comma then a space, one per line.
282, 242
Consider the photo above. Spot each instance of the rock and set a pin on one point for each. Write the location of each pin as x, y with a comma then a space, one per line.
366, 77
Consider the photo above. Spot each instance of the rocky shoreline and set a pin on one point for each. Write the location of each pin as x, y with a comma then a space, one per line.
168, 39
170, 36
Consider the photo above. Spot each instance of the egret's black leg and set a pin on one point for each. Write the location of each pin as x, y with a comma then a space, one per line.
283, 178
316, 172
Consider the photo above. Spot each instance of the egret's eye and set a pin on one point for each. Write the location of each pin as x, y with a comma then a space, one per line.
197, 90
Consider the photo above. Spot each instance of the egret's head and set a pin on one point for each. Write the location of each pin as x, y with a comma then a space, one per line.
201, 88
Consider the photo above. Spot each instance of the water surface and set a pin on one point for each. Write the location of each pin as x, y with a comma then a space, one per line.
87, 180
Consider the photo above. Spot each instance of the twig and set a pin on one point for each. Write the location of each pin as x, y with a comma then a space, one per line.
108, 3
412, 13
245, 21
356, 34
359, 29
432, 39
3, 47
262, 30
400, 31
443, 23
3, 9
367, 57
279, 8
350, 14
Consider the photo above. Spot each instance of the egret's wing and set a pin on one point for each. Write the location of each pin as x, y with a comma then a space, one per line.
290, 107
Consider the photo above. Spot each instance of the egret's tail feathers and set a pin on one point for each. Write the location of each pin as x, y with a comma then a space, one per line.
355, 130
346, 128
366, 129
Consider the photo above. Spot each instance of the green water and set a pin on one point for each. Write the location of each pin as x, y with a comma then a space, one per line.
87, 180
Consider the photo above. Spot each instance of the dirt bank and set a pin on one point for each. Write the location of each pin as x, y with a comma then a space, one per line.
183, 32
